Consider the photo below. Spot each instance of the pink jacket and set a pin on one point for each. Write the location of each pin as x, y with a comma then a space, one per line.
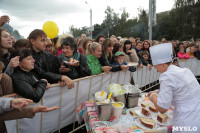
183, 56
59, 51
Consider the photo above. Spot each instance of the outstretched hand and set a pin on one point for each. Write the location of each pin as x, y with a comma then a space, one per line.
19, 103
41, 108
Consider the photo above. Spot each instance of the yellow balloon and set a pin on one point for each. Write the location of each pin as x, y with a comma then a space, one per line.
51, 29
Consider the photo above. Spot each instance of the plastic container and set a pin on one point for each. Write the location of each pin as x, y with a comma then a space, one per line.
117, 109
100, 98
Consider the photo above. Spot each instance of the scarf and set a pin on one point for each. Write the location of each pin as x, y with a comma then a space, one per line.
73, 74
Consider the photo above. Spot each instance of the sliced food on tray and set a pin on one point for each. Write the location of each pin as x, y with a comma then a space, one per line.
162, 118
147, 122
145, 112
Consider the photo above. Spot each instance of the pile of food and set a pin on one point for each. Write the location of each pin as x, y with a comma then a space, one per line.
71, 60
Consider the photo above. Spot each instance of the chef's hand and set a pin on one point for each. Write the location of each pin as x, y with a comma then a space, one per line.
152, 95
155, 91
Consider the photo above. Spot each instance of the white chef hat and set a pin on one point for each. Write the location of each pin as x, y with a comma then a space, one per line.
161, 53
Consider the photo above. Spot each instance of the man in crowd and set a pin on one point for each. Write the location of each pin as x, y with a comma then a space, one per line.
45, 63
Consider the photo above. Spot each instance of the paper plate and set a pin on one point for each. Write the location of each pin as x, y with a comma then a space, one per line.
131, 109
132, 63
139, 124
66, 62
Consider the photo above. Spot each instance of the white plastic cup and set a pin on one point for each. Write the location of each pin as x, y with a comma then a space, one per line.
100, 98
117, 111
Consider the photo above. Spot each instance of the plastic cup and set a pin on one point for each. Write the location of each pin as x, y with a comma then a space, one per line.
100, 98
117, 109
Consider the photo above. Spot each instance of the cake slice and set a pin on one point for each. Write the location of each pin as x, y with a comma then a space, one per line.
147, 122
162, 118
145, 111
144, 104
133, 113
153, 108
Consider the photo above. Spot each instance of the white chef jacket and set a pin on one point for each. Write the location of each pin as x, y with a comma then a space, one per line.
180, 88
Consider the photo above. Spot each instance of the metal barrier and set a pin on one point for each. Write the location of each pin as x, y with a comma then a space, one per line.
68, 100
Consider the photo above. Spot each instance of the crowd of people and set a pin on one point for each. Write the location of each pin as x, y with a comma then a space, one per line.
29, 66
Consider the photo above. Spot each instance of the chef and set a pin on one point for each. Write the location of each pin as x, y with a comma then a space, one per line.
178, 88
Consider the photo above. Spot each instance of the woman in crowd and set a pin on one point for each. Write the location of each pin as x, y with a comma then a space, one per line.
84, 45
6, 50
182, 55
49, 46
146, 46
26, 83
74, 70
107, 57
21, 43
58, 44
192, 51
94, 53
129, 52
100, 39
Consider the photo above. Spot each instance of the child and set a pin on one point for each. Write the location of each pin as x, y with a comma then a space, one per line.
192, 51
144, 57
182, 55
119, 60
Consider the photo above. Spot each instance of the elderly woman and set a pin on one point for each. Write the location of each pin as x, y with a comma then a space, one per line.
95, 51
26, 83
79, 68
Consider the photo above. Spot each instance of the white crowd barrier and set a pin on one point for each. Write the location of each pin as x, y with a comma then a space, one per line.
69, 99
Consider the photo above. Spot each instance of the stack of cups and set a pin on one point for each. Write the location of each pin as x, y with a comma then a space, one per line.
117, 109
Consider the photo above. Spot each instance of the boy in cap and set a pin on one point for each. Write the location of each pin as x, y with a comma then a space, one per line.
178, 88
119, 60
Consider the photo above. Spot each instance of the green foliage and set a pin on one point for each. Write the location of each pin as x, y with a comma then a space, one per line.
182, 23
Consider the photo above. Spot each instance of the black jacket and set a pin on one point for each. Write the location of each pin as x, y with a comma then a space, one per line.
197, 54
106, 62
44, 66
27, 85
82, 70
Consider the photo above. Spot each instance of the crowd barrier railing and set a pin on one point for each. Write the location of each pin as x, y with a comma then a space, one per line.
69, 99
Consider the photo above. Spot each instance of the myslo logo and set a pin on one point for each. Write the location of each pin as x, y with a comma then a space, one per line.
184, 128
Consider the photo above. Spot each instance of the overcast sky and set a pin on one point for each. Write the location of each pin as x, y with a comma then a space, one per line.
27, 15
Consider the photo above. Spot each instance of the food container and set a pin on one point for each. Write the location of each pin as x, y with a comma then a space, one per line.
132, 99
100, 98
104, 109
117, 109
120, 98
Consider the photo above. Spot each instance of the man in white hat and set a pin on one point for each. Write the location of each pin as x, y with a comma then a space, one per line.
178, 88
